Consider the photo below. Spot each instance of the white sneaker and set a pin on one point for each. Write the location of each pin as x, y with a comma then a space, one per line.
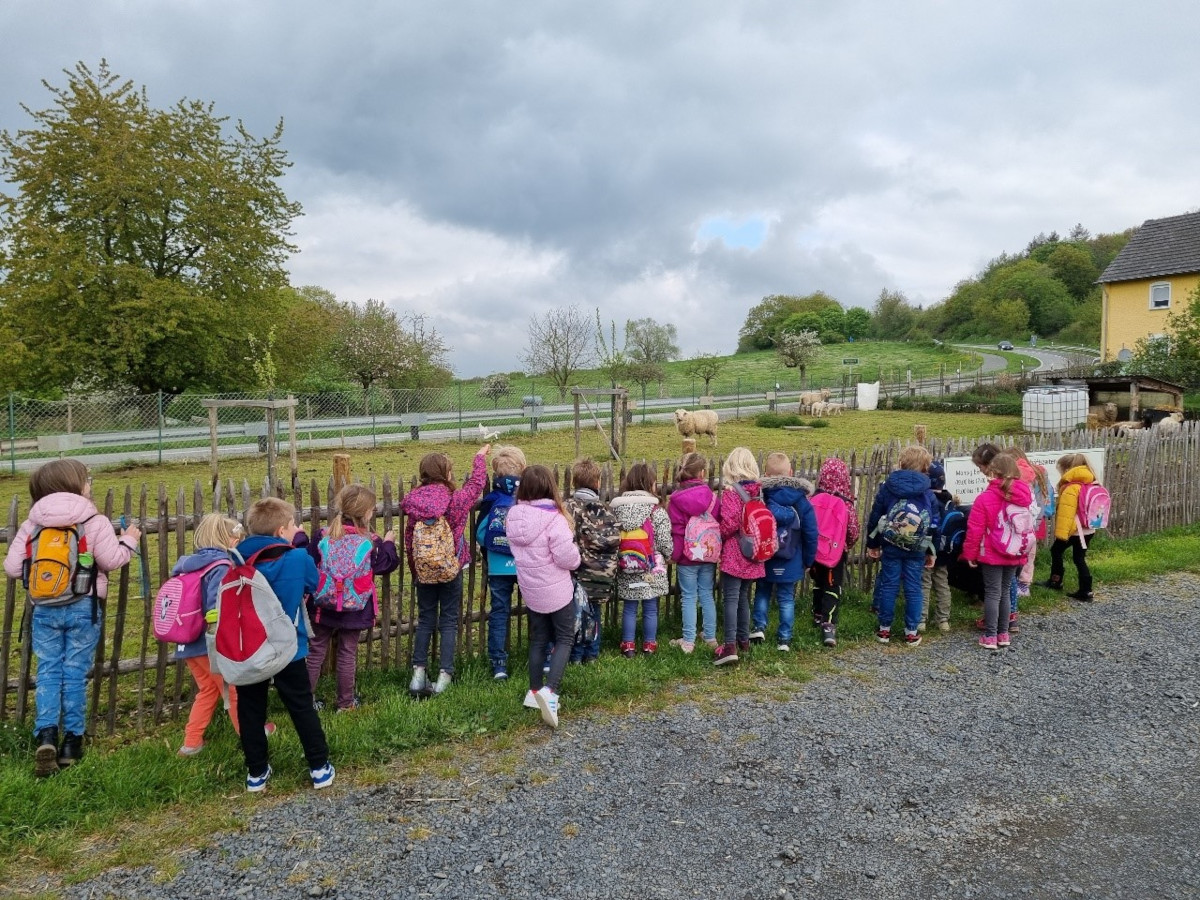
419, 683
530, 701
547, 702
943, 626
783, 648
757, 637
442, 683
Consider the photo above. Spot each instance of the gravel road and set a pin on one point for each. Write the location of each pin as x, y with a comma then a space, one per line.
1065, 767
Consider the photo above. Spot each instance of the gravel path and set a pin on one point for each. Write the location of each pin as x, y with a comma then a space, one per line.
1065, 767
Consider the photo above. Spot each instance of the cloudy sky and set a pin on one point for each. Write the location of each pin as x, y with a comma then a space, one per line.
481, 162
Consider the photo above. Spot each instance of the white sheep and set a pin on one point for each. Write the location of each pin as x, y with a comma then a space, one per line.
819, 408
692, 424
834, 409
808, 398
1170, 425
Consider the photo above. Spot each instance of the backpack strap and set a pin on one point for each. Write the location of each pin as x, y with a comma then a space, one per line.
267, 553
741, 492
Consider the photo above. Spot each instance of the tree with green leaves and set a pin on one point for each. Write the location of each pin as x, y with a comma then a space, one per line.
373, 346
798, 350
650, 343
893, 316
857, 322
139, 246
1175, 357
495, 386
706, 367
767, 318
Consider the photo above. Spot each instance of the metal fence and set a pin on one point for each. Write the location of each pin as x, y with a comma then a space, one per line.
1154, 481
111, 429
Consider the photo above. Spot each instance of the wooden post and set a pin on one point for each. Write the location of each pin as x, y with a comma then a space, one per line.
689, 445
341, 471
920, 432
577, 426
212, 437
292, 441
271, 446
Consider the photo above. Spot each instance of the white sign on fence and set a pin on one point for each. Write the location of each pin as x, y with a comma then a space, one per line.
966, 482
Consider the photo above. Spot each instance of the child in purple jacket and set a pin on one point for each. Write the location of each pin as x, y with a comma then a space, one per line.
340, 617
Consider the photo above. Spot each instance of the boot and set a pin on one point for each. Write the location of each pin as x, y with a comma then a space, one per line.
1084, 594
829, 634
45, 758
72, 750
1054, 582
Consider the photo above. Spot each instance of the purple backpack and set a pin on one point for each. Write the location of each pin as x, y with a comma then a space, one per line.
347, 581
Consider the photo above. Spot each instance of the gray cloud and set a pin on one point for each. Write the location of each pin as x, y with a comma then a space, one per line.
482, 161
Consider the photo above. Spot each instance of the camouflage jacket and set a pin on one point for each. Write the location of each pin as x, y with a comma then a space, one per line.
598, 537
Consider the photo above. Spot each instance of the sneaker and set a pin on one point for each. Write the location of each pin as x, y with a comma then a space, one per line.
912, 638
628, 649
419, 683
45, 758
829, 635
987, 643
529, 702
1022, 589
354, 704
743, 646
1013, 627
322, 777
547, 702
1082, 596
884, 635
684, 646
943, 626
649, 647
757, 637
712, 643
185, 750
725, 654
318, 705
269, 729
256, 783
1002, 639
783, 648
499, 673
443, 682
71, 751
921, 628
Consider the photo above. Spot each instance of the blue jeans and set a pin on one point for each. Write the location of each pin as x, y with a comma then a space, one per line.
785, 596
501, 589
696, 585
590, 650
896, 567
649, 620
64, 641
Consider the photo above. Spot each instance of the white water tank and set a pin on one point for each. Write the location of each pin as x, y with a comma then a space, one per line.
1054, 409
868, 395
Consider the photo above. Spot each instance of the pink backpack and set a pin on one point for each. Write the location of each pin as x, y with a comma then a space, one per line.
1093, 506
702, 537
179, 606
1015, 531
833, 520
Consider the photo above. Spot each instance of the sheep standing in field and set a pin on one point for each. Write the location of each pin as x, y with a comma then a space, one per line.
808, 398
692, 424
819, 408
834, 409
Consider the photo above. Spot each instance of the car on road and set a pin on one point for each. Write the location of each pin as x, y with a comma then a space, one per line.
1005, 345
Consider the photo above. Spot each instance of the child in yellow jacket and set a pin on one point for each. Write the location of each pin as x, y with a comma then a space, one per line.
1074, 472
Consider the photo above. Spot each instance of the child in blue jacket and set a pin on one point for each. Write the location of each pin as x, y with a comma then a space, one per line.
507, 465
796, 523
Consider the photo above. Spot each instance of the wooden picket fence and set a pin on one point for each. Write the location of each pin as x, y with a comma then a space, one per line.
1154, 481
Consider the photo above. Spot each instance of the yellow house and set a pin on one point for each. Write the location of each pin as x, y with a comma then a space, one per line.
1154, 276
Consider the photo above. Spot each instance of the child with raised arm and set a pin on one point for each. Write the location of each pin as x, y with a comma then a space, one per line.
349, 557
507, 465
437, 506
66, 610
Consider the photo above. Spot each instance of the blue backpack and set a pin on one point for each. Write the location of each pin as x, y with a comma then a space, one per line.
495, 538
951, 534
789, 537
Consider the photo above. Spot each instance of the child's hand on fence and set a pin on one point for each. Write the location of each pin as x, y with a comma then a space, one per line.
874, 553
133, 533
930, 559
390, 536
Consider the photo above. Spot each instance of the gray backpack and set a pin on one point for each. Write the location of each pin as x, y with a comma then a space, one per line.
254, 639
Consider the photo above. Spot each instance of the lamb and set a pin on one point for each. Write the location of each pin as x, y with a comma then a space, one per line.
1170, 425
835, 409
819, 408
691, 424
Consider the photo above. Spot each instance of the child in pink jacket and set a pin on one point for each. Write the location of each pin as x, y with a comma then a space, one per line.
542, 539
979, 546
738, 574
66, 627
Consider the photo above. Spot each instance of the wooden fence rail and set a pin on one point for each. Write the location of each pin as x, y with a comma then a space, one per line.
1154, 481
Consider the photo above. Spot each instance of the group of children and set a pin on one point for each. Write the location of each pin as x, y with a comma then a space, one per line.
760, 533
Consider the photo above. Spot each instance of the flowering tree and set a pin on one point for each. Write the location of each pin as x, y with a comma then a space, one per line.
797, 349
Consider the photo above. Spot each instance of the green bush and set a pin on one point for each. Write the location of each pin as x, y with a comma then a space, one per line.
779, 420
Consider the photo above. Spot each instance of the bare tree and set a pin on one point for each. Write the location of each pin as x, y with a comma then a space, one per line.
560, 344
705, 366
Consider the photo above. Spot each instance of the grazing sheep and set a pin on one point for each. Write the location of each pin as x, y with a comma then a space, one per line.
692, 424
808, 398
834, 409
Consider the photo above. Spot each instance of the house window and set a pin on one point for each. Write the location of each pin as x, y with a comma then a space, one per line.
1160, 295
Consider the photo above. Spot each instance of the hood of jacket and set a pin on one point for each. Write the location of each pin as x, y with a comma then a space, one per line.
1019, 493
1077, 475
834, 478
57, 510
428, 501
692, 497
585, 495
205, 556
633, 508
1028, 472
502, 486
528, 520
786, 490
907, 483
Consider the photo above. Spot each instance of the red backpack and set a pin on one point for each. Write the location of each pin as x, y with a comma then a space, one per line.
833, 519
758, 539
